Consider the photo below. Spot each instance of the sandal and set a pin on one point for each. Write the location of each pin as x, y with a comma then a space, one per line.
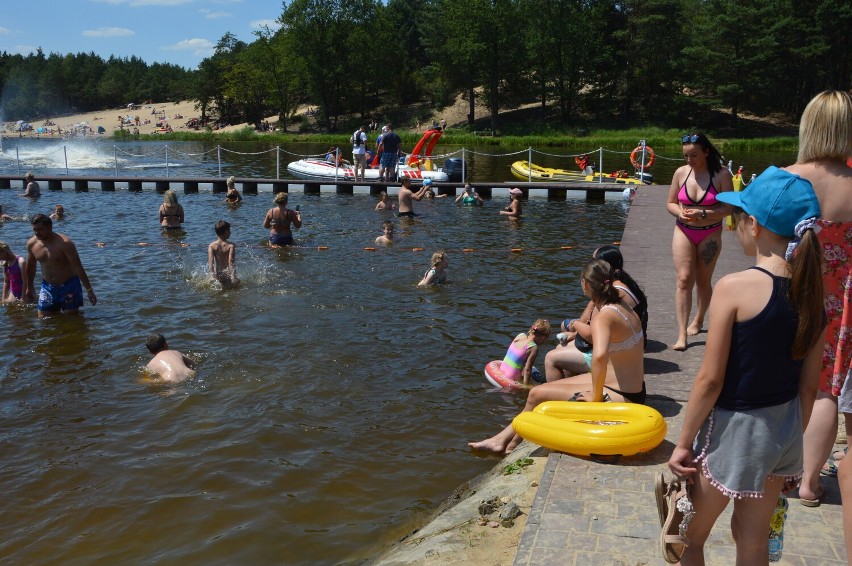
679, 513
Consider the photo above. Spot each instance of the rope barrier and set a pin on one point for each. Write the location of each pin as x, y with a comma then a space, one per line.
514, 250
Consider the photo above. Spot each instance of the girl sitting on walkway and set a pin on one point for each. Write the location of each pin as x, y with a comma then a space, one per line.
618, 339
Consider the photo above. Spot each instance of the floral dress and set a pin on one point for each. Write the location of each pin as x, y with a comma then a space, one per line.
836, 241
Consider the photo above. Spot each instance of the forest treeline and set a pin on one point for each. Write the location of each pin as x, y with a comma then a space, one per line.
630, 62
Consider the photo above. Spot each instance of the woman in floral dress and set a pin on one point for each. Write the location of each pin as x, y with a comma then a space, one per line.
825, 143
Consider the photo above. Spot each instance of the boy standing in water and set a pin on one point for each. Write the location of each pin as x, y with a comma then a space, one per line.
386, 238
170, 365
220, 256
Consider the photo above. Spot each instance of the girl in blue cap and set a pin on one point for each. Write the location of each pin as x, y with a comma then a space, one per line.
753, 395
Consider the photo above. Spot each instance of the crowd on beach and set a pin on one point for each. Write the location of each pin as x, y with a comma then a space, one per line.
762, 415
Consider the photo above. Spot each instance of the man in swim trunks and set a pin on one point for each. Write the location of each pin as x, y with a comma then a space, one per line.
390, 151
405, 197
170, 365
63, 276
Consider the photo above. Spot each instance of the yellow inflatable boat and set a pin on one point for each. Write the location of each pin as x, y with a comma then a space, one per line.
593, 429
530, 171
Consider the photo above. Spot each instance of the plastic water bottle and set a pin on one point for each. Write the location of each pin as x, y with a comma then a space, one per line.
776, 528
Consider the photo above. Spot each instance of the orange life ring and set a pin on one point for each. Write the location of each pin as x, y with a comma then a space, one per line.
582, 161
649, 153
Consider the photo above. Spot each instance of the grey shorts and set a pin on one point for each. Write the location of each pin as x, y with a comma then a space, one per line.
739, 450
844, 402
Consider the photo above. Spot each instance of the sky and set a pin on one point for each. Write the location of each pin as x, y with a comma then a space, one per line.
181, 32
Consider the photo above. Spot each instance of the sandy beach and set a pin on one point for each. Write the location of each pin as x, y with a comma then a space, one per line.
175, 114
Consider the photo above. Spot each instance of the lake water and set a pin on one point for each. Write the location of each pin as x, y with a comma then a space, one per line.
334, 398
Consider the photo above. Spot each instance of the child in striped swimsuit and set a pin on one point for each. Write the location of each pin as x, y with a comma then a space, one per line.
523, 350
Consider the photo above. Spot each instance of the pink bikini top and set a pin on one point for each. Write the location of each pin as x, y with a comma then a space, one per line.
707, 199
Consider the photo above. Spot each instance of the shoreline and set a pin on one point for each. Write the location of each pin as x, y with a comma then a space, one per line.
454, 535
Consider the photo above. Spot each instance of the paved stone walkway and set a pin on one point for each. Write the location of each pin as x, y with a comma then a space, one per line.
590, 514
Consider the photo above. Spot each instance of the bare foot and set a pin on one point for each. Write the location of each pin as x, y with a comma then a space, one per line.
694, 328
680, 345
491, 445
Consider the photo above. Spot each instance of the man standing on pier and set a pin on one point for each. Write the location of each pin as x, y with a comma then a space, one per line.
63, 276
390, 151
359, 152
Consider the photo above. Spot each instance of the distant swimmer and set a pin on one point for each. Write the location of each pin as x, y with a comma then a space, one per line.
437, 273
278, 221
233, 196
513, 211
170, 214
32, 190
58, 213
170, 365
63, 276
220, 256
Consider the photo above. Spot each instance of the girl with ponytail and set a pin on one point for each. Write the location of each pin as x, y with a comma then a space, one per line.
754, 393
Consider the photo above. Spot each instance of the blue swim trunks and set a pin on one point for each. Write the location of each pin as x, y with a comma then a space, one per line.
54, 298
388, 160
281, 239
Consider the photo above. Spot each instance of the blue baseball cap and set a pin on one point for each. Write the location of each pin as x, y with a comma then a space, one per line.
427, 182
778, 200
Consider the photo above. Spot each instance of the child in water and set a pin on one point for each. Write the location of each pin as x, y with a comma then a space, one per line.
523, 350
58, 213
387, 234
13, 274
220, 256
384, 203
437, 274
170, 365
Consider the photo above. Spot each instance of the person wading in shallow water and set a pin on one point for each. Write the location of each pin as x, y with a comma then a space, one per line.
63, 276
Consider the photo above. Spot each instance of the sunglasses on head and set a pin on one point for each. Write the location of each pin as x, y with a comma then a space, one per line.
690, 138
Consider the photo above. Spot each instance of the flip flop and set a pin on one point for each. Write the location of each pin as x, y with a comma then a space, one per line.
812, 502
829, 469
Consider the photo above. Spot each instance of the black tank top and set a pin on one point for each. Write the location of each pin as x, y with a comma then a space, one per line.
761, 371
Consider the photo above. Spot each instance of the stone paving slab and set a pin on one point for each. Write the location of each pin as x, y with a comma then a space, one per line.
591, 514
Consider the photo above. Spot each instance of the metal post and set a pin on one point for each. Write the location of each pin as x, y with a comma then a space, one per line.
219, 158
115, 159
277, 161
529, 164
167, 162
65, 151
601, 169
18, 161
336, 162
642, 163
464, 164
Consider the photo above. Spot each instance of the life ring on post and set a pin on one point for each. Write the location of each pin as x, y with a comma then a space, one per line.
637, 153
582, 161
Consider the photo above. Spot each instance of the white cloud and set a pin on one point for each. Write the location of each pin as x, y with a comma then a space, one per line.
211, 15
200, 47
108, 32
24, 49
260, 24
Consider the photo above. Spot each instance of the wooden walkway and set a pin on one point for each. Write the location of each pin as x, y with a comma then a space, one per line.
190, 185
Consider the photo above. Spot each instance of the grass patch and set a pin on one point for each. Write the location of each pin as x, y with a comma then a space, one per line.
517, 466
657, 138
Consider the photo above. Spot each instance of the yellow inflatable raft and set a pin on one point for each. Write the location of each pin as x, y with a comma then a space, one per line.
593, 429
530, 171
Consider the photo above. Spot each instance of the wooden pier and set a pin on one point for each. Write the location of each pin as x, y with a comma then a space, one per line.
249, 186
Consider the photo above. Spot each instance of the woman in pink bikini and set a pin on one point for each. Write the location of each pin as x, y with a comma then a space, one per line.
697, 239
